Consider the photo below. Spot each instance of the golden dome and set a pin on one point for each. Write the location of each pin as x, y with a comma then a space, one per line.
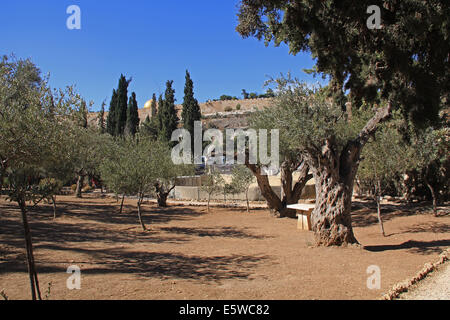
148, 104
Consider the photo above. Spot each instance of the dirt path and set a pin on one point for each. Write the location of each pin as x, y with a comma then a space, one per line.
436, 286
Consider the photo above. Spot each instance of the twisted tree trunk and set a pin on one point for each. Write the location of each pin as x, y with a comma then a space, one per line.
331, 218
162, 194
334, 175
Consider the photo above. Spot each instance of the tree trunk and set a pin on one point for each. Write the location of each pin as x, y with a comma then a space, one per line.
121, 204
140, 198
209, 199
79, 188
433, 195
334, 175
291, 194
246, 199
430, 187
331, 218
54, 206
162, 194
378, 201
380, 220
34, 283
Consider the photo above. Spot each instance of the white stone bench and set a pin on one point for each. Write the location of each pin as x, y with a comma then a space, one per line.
304, 215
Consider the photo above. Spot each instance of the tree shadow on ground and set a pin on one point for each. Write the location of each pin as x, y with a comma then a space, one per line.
434, 227
109, 213
229, 232
421, 247
104, 250
155, 265
364, 213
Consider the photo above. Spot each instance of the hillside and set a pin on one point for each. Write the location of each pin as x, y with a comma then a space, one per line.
213, 112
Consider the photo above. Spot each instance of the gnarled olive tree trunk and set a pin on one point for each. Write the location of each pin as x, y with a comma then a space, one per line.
162, 193
334, 173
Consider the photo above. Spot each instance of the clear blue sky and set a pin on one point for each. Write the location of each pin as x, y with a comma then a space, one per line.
150, 41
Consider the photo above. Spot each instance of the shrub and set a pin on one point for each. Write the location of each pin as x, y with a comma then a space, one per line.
228, 109
238, 106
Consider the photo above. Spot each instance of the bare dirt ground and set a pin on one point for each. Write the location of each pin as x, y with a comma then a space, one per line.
226, 254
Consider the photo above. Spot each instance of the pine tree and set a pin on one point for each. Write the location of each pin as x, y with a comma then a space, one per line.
191, 109
132, 116
111, 119
168, 114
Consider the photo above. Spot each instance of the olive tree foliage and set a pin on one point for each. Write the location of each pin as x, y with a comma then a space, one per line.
430, 157
291, 162
34, 145
88, 148
387, 156
213, 184
166, 172
140, 166
241, 179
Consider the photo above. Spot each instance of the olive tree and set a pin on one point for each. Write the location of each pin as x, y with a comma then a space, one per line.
131, 170
385, 158
241, 179
213, 184
166, 172
34, 144
404, 63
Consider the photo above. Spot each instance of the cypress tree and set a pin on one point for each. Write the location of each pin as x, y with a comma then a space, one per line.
122, 105
191, 109
101, 119
168, 118
132, 116
153, 106
111, 119
160, 113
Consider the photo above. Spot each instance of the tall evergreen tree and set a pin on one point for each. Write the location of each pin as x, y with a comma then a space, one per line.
168, 118
101, 119
111, 119
122, 105
159, 114
153, 106
191, 109
132, 116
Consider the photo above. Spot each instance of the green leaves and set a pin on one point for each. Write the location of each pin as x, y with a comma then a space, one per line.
406, 61
134, 165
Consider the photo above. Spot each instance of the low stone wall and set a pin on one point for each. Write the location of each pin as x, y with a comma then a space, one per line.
254, 194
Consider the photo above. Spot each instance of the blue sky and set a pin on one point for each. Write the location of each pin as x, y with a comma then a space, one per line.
150, 41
